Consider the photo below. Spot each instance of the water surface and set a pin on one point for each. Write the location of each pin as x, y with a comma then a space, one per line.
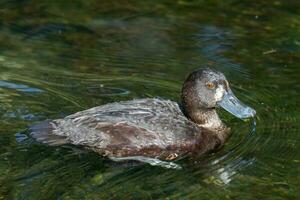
57, 58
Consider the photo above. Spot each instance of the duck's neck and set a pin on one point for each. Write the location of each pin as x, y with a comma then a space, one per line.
209, 119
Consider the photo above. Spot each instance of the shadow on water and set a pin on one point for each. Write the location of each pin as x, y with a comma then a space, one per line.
59, 58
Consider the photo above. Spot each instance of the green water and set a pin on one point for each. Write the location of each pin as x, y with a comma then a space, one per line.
57, 58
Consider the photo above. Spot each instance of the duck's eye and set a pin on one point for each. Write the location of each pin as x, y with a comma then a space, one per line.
210, 85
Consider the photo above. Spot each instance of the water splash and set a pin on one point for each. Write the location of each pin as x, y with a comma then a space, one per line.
151, 161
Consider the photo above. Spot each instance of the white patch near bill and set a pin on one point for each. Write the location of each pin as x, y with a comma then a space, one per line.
219, 93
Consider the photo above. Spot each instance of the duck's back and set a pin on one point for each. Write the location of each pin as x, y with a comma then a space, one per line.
147, 127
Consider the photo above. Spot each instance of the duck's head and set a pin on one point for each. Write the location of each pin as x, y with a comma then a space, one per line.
206, 89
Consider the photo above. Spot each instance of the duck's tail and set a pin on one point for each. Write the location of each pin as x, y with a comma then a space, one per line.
43, 132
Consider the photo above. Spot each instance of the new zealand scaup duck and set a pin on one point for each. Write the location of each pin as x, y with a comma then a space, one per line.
152, 128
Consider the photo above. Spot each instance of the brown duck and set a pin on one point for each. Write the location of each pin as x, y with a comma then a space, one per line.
152, 128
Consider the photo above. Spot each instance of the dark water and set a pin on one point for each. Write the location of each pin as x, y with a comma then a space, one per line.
57, 58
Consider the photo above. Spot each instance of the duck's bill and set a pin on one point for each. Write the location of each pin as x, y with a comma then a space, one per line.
230, 103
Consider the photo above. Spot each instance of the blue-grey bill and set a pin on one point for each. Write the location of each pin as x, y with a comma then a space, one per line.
230, 103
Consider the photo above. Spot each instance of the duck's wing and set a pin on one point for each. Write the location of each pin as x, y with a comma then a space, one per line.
146, 125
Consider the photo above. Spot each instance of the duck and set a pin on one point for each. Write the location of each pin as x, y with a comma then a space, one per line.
152, 128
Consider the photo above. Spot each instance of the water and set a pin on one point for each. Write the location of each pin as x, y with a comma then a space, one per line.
59, 58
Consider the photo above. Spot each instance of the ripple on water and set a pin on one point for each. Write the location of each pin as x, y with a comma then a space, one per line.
20, 87
102, 90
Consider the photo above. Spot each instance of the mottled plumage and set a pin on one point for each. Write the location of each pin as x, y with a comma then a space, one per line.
150, 127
